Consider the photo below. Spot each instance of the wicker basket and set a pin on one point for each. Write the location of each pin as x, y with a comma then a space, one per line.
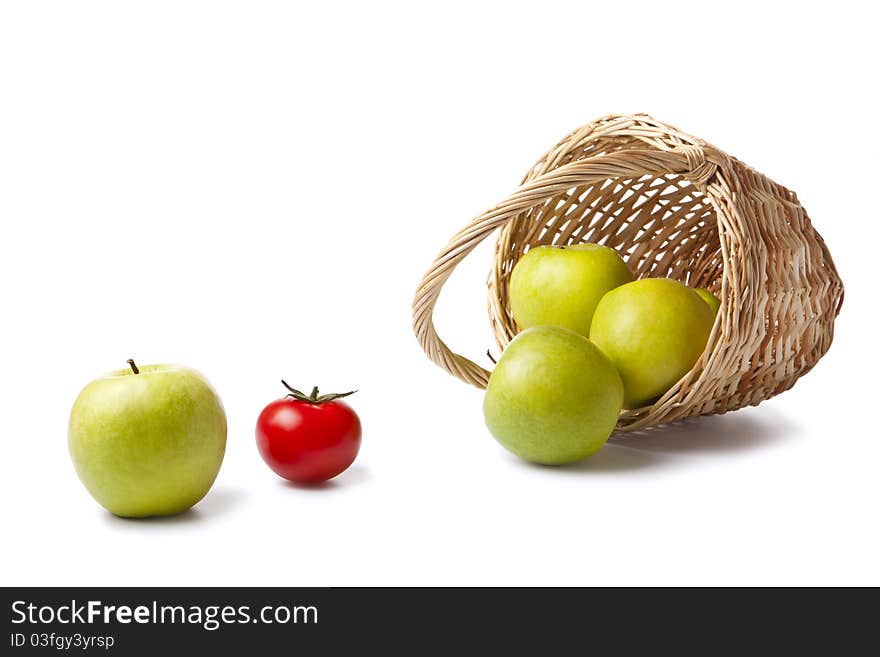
673, 206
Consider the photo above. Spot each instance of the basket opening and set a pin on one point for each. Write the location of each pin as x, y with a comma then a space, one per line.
663, 226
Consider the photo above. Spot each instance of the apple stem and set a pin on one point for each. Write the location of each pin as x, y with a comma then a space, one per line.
134, 368
489, 354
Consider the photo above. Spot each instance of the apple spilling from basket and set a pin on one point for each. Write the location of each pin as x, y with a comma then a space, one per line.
593, 341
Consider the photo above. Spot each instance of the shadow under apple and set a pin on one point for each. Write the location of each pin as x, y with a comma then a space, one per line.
722, 435
217, 502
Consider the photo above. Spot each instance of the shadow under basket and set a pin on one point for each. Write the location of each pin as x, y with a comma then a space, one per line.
672, 206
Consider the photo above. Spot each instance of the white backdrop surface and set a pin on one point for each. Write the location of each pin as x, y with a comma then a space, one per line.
255, 189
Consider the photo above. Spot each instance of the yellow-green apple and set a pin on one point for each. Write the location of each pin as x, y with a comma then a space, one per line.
713, 301
553, 398
148, 441
653, 330
560, 286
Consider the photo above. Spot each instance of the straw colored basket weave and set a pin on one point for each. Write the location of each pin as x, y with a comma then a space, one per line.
673, 206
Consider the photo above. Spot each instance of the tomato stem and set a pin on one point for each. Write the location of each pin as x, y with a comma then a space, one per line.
314, 397
134, 368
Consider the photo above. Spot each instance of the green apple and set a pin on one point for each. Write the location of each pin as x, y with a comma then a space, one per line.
713, 301
148, 441
560, 286
653, 330
553, 398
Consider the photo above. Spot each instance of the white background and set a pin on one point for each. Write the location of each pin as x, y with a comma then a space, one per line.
254, 189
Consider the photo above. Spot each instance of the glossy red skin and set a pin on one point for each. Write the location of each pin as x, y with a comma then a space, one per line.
308, 443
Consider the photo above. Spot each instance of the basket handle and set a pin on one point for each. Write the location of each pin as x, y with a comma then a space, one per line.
697, 163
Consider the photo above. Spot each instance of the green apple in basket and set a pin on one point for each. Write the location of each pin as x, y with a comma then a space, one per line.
561, 285
654, 330
148, 441
553, 398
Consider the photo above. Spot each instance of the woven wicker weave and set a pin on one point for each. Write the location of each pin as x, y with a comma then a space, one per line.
673, 206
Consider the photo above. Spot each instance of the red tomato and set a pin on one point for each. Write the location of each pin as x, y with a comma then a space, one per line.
308, 439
